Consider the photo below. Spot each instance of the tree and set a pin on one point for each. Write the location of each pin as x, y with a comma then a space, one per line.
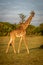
22, 16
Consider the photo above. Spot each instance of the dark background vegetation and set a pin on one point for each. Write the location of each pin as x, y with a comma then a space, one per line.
6, 28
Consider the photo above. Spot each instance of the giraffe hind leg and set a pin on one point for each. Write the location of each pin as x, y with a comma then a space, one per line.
13, 45
8, 45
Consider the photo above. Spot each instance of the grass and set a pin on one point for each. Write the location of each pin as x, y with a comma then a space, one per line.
34, 58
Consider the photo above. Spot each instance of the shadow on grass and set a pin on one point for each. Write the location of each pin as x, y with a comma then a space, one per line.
41, 47
24, 50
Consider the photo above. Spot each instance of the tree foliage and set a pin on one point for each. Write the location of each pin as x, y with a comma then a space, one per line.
22, 16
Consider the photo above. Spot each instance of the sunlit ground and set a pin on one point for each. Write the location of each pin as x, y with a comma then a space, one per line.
23, 58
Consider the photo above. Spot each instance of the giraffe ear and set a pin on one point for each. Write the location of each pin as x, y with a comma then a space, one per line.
32, 13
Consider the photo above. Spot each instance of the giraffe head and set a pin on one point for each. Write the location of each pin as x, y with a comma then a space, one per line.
32, 13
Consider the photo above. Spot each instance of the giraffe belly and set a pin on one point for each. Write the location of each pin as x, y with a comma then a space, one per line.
19, 35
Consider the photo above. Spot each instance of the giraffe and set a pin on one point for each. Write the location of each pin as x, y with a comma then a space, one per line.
20, 33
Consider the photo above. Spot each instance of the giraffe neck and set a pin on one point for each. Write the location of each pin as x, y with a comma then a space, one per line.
27, 22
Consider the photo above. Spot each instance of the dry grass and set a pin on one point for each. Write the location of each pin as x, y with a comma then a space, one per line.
34, 58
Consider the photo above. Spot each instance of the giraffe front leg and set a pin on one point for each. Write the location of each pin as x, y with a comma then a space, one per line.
19, 45
24, 38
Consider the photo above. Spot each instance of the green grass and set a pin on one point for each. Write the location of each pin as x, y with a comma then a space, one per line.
34, 58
